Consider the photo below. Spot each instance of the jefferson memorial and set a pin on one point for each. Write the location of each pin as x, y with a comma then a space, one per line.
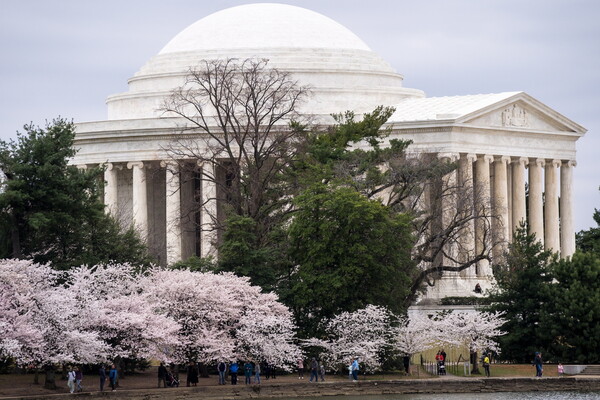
502, 142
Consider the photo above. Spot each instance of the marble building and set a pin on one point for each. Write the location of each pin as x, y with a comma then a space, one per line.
501, 141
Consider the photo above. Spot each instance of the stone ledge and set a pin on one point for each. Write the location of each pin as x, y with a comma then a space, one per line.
305, 389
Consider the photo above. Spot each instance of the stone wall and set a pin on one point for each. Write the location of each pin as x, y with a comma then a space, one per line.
305, 389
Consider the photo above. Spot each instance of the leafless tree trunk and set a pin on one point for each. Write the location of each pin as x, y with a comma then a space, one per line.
238, 134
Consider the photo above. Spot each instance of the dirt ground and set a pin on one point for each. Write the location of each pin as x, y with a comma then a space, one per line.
22, 384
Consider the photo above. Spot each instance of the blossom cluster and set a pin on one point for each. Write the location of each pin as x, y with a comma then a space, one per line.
95, 314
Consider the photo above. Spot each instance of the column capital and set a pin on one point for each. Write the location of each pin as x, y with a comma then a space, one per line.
487, 158
503, 159
451, 156
111, 166
553, 163
539, 162
82, 166
472, 157
521, 160
136, 164
569, 163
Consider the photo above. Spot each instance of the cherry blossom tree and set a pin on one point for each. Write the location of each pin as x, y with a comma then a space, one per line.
223, 317
115, 306
414, 334
364, 333
475, 330
47, 319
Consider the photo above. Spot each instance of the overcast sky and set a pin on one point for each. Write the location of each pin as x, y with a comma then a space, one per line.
64, 57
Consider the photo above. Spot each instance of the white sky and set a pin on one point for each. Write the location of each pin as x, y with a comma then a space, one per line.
64, 57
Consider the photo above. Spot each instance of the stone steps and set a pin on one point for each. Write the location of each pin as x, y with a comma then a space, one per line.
591, 370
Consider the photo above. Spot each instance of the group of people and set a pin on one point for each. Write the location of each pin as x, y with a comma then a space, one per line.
252, 372
440, 359
317, 370
75, 378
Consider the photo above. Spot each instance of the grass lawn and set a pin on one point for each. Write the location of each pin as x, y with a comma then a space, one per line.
507, 370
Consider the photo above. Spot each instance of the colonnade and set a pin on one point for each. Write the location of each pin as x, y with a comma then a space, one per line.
499, 190
173, 201
498, 183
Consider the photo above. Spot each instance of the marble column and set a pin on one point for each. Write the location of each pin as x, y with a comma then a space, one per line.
500, 223
140, 199
467, 237
567, 229
482, 210
536, 200
518, 192
173, 211
551, 223
449, 208
110, 189
208, 211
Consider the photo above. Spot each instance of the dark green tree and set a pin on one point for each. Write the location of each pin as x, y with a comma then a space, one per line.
573, 317
242, 253
350, 252
589, 240
523, 294
51, 211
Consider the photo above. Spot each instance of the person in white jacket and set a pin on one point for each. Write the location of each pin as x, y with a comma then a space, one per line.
71, 380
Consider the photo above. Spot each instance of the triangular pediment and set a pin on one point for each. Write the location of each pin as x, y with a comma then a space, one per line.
521, 112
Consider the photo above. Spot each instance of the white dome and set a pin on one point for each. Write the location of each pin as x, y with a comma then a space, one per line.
264, 25
341, 70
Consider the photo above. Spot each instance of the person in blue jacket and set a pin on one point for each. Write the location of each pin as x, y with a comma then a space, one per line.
113, 376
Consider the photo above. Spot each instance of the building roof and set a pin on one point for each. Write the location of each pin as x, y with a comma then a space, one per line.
444, 108
264, 25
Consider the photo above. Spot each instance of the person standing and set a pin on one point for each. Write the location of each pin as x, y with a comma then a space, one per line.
561, 370
192, 374
486, 365
300, 365
102, 374
78, 379
322, 372
248, 372
537, 361
162, 375
113, 376
221, 368
233, 371
314, 368
257, 372
355, 369
71, 380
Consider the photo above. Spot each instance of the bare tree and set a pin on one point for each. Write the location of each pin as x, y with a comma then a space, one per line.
240, 133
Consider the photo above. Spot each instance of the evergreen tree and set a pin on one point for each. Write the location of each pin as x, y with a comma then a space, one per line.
523, 294
51, 211
589, 240
350, 252
573, 317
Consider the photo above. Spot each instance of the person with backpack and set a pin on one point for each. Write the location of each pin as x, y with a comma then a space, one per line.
71, 380
486, 365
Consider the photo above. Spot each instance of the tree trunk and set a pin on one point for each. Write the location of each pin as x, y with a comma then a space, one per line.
50, 382
15, 237
475, 369
36, 376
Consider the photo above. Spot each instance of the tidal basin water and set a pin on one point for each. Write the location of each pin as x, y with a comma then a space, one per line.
472, 396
